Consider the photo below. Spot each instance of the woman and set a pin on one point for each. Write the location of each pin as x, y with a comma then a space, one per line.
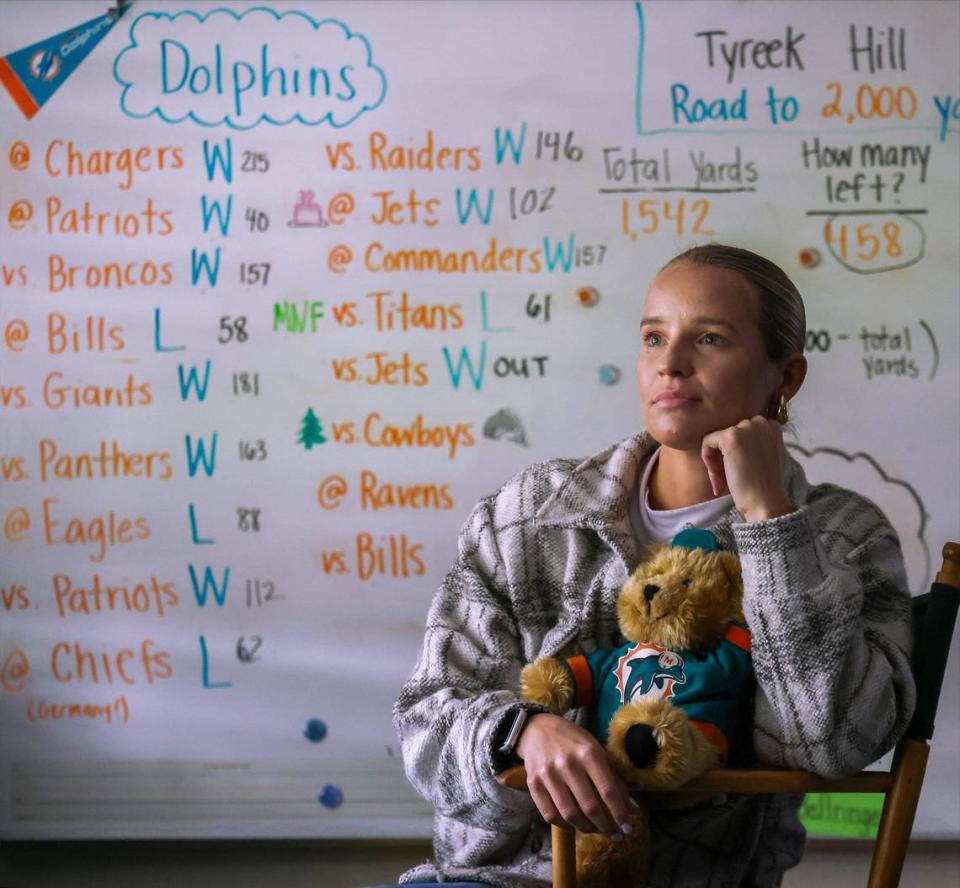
541, 562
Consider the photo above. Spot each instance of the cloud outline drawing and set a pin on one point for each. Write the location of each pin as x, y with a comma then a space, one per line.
919, 548
129, 84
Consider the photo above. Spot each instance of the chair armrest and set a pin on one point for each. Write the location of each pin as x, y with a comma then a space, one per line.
755, 780
513, 778
751, 780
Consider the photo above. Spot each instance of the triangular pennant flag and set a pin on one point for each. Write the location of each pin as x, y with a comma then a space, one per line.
34, 73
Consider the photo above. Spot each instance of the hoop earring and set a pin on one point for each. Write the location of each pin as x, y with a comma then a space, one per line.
782, 415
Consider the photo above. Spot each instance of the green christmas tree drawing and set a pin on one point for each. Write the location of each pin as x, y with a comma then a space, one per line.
311, 431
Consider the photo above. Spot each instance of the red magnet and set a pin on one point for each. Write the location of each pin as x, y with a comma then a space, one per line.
588, 296
809, 257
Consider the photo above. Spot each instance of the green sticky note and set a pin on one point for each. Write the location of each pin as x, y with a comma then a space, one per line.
853, 815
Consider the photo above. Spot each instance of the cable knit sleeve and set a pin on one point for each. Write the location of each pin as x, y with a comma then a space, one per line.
826, 598
449, 712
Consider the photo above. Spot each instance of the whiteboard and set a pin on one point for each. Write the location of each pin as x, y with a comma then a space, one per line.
288, 287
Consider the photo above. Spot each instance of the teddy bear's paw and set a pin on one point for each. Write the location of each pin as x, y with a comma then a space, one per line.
681, 751
547, 681
641, 745
603, 863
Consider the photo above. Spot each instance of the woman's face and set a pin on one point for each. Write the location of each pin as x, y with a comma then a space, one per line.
703, 365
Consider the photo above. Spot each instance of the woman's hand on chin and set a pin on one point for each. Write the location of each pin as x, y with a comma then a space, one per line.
747, 461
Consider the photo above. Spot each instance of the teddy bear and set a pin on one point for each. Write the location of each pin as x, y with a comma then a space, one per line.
669, 704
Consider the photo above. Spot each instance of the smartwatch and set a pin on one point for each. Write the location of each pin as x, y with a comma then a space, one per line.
513, 733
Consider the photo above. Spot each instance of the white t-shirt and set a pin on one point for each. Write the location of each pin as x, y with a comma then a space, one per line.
662, 525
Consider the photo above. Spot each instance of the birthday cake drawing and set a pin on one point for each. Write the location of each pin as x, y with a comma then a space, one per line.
307, 213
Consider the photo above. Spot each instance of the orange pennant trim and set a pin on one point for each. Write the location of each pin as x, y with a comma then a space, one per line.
18, 92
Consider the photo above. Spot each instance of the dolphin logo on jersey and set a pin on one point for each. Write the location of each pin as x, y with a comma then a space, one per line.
648, 670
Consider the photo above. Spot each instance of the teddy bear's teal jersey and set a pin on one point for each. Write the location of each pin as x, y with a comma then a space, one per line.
711, 687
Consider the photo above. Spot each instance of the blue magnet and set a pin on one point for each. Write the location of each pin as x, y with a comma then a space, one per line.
609, 375
316, 730
331, 797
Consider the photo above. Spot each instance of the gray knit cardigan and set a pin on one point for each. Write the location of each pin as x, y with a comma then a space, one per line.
539, 567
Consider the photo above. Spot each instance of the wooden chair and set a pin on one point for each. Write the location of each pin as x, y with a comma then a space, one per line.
934, 617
